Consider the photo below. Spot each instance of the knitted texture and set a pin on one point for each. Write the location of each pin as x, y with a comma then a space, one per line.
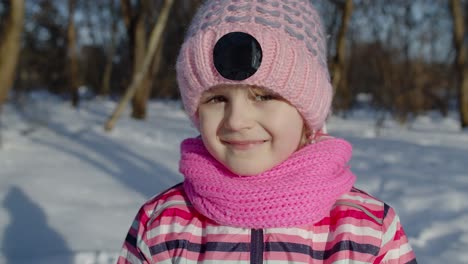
291, 36
299, 191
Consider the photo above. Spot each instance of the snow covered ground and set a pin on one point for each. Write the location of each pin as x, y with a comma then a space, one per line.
69, 190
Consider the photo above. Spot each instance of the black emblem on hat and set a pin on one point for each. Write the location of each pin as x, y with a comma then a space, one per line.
237, 56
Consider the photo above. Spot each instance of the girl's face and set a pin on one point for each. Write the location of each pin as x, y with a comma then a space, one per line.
248, 129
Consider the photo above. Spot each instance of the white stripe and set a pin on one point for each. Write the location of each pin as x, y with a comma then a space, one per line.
165, 204
149, 211
168, 261
163, 207
226, 230
358, 231
326, 237
141, 244
195, 230
398, 252
305, 234
361, 199
129, 256
391, 231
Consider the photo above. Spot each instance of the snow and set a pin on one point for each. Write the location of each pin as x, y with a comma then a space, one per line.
69, 190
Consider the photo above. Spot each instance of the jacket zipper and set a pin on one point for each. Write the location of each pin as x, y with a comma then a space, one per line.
256, 248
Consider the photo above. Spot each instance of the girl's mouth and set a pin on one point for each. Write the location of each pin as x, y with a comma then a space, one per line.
243, 144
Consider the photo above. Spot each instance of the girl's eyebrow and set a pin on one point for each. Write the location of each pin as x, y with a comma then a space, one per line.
212, 92
209, 93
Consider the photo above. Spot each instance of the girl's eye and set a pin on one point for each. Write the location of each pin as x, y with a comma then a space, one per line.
216, 99
266, 97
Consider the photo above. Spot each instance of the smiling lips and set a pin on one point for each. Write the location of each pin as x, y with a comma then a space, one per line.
244, 144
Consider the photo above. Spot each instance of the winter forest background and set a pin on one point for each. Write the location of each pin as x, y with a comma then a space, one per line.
83, 142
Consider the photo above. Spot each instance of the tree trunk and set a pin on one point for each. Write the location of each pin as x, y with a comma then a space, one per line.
10, 46
339, 63
460, 61
139, 49
72, 54
107, 75
127, 13
155, 41
105, 86
135, 23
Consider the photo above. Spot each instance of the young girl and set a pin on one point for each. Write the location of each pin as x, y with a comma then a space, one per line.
263, 182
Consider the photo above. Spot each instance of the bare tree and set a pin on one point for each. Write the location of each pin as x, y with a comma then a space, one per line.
72, 54
139, 77
10, 47
9, 50
134, 18
105, 86
339, 62
460, 61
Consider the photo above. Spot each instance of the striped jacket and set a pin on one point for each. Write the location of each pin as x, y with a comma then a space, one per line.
359, 229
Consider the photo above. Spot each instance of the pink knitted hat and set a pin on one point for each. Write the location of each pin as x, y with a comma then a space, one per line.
292, 53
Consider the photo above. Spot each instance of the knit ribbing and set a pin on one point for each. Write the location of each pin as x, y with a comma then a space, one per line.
299, 191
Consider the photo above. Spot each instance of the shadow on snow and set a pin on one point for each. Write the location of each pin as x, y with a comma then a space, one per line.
29, 236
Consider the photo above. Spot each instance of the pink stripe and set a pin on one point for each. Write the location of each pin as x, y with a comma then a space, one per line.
175, 213
401, 259
288, 256
378, 259
183, 218
400, 234
351, 255
343, 211
213, 255
322, 245
331, 224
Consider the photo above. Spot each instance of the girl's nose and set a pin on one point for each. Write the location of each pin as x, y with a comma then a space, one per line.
238, 115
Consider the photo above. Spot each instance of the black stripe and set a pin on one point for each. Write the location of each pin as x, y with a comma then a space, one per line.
412, 262
356, 190
319, 254
256, 251
269, 246
386, 209
200, 248
131, 240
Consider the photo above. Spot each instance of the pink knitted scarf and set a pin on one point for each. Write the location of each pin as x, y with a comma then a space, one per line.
299, 191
